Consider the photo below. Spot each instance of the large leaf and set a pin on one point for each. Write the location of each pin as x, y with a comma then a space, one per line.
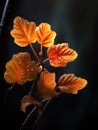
21, 69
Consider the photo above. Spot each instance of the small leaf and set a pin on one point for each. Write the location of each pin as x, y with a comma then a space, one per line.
28, 100
45, 35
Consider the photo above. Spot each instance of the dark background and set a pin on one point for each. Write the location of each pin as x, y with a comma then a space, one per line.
76, 22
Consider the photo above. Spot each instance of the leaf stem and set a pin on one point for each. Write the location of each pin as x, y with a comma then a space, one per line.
34, 52
41, 53
45, 60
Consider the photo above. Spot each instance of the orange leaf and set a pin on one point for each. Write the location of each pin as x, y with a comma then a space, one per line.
21, 69
28, 100
61, 54
46, 84
69, 83
45, 35
23, 32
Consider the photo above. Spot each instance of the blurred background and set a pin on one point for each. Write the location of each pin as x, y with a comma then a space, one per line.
75, 22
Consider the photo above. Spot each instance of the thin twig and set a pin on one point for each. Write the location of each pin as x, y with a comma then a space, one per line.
32, 88
27, 118
40, 114
4, 13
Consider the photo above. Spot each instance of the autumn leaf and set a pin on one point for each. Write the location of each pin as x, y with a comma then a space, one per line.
23, 32
46, 85
70, 83
21, 69
28, 100
45, 36
60, 55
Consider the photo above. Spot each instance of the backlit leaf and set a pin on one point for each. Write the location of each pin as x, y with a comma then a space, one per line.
60, 54
23, 32
45, 35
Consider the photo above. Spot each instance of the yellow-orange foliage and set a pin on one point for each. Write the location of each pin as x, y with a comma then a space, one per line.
21, 69
23, 32
45, 35
46, 84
